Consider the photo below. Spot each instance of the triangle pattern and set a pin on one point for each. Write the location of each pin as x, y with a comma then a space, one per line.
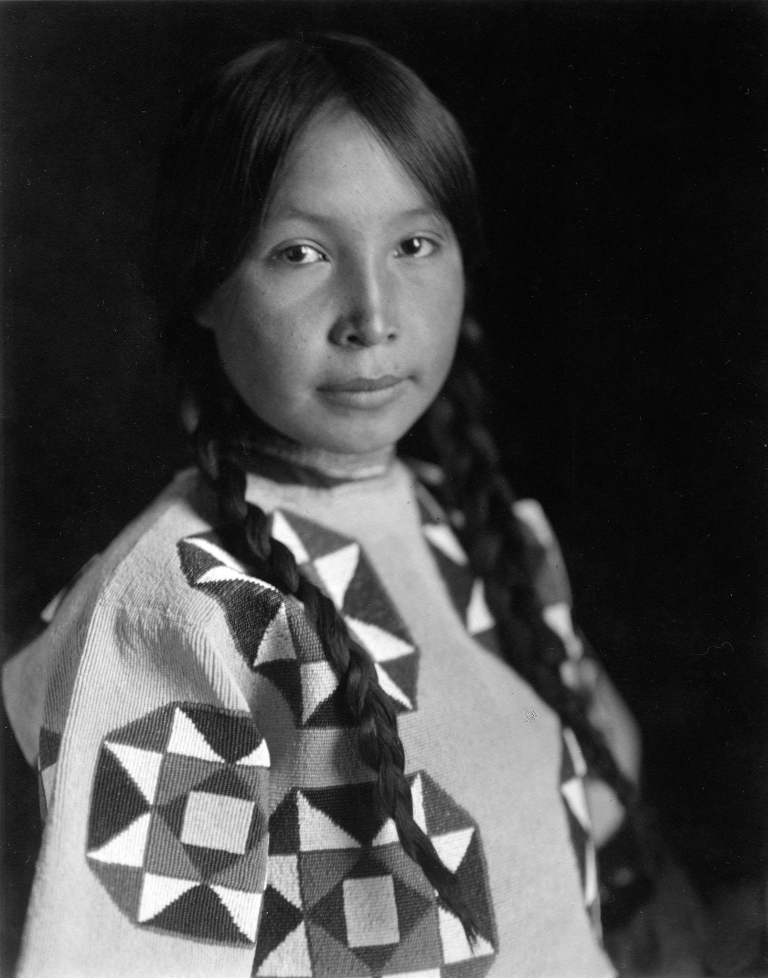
441, 536
318, 682
387, 834
284, 532
128, 847
452, 847
218, 553
243, 907
159, 892
479, 618
318, 831
392, 689
455, 944
336, 571
142, 765
417, 796
289, 959
573, 792
186, 739
219, 573
382, 645
276, 642
257, 758
284, 876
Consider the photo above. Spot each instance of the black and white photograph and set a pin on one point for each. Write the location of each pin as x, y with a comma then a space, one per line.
384, 488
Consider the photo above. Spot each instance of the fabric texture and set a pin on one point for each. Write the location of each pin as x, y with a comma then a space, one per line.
206, 810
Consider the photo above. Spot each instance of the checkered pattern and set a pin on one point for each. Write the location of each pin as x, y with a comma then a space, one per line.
573, 768
344, 901
177, 832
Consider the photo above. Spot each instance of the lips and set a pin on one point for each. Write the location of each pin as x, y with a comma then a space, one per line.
366, 393
360, 384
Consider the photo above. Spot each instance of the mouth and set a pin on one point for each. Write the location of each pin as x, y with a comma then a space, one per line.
363, 392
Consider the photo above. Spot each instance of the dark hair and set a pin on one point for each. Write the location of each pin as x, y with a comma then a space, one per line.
217, 179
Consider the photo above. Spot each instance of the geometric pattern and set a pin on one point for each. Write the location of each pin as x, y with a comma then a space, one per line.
573, 769
344, 901
467, 592
274, 634
177, 832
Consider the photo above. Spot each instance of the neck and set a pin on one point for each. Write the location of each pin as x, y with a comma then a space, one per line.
329, 465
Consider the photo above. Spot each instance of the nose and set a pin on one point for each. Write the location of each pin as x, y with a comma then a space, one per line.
366, 317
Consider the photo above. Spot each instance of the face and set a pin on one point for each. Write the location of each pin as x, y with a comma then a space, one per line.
339, 327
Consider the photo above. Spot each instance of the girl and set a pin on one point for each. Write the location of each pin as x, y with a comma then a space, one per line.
320, 711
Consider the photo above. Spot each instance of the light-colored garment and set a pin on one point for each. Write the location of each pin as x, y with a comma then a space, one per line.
207, 813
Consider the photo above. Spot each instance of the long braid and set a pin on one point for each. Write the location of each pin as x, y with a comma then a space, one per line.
247, 528
493, 539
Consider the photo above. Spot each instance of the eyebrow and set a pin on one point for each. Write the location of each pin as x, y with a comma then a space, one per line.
296, 213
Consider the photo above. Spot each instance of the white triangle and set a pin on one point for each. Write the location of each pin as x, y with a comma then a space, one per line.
590, 875
386, 834
283, 875
228, 574
337, 570
127, 848
186, 739
479, 618
391, 688
577, 758
573, 791
243, 907
284, 532
317, 831
257, 758
277, 642
417, 797
442, 536
456, 947
158, 892
318, 682
382, 645
452, 847
142, 765
48, 776
289, 959
217, 552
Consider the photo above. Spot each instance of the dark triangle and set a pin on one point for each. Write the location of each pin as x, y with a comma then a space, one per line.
250, 608
117, 802
49, 747
404, 673
473, 876
194, 560
331, 712
329, 914
150, 732
278, 918
442, 812
230, 736
210, 862
285, 676
284, 839
199, 914
351, 807
318, 540
367, 599
458, 580
306, 641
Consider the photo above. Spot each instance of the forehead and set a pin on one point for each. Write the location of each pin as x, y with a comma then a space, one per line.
339, 169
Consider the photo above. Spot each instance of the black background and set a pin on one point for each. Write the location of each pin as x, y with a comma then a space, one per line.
621, 151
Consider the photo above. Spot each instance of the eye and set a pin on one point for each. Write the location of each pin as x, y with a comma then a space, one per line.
300, 254
417, 247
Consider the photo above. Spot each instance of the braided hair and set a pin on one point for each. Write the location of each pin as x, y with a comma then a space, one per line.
217, 180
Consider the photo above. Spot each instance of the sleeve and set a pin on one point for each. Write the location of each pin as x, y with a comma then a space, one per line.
582, 669
155, 784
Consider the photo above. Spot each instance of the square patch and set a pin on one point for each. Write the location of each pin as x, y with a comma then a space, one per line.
217, 822
370, 911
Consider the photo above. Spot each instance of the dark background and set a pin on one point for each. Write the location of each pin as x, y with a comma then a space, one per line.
621, 151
